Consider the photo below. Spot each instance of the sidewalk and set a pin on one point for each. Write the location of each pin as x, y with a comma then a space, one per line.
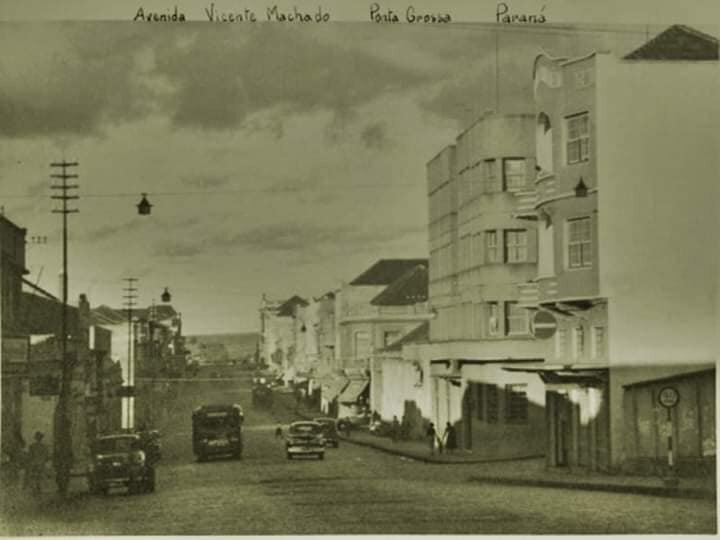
530, 471
533, 471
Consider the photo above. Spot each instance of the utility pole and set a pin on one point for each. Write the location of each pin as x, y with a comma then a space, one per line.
130, 297
63, 456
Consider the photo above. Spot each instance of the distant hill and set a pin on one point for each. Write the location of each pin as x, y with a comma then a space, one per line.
211, 348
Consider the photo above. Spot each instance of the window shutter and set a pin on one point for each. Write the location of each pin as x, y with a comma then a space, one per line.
532, 244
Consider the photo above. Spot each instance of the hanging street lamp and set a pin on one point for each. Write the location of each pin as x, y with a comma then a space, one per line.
144, 206
166, 296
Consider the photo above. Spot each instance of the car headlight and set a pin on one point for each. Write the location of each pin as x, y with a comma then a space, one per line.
137, 458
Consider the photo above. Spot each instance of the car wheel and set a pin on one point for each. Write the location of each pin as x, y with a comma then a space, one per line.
321, 455
201, 458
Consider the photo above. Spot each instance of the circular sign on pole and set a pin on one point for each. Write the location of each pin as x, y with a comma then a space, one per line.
669, 397
544, 325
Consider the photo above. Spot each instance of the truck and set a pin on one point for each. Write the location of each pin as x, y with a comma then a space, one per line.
217, 431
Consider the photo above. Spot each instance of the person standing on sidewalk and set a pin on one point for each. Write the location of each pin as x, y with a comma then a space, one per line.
432, 435
450, 438
37, 458
395, 429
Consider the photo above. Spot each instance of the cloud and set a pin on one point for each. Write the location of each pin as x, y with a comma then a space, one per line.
270, 67
302, 241
70, 79
178, 250
109, 231
374, 136
294, 237
206, 181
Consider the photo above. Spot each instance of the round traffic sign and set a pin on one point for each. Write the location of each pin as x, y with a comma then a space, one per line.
669, 397
544, 325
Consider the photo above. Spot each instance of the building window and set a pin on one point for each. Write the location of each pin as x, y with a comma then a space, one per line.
493, 319
516, 319
514, 174
560, 343
579, 243
578, 138
491, 176
492, 253
598, 341
362, 345
578, 342
480, 401
491, 403
516, 409
516, 246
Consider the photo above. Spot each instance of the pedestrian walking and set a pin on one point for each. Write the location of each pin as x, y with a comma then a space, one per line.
348, 426
432, 435
395, 429
278, 432
38, 456
450, 438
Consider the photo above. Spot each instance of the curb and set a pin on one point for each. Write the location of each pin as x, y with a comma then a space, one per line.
658, 491
434, 460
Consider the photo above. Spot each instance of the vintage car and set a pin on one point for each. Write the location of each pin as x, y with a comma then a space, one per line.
122, 460
305, 438
329, 427
217, 430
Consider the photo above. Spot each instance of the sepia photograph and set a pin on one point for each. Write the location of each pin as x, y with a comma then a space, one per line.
269, 272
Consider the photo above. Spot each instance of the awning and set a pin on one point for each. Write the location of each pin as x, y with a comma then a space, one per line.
353, 391
574, 374
331, 388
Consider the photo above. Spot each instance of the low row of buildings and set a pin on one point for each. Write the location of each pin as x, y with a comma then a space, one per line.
103, 381
569, 303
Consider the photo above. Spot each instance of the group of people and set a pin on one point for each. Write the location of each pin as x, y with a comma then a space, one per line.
32, 461
448, 441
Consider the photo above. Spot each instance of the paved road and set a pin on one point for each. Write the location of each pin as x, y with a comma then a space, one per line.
355, 490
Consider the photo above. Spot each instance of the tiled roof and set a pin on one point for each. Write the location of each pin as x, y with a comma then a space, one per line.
410, 288
419, 334
287, 308
385, 271
678, 42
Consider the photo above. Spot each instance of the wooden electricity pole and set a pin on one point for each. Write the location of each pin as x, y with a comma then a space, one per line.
63, 455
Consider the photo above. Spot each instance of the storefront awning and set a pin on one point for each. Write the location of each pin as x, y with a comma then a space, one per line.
573, 374
331, 388
353, 391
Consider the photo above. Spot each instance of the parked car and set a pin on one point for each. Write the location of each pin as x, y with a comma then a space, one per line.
121, 461
329, 427
305, 438
217, 430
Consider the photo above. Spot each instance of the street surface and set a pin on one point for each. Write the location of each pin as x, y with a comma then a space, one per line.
355, 490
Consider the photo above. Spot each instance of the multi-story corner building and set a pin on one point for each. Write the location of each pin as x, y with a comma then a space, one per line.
479, 252
626, 206
374, 310
364, 326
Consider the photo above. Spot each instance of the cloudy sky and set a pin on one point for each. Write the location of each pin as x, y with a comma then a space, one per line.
278, 159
